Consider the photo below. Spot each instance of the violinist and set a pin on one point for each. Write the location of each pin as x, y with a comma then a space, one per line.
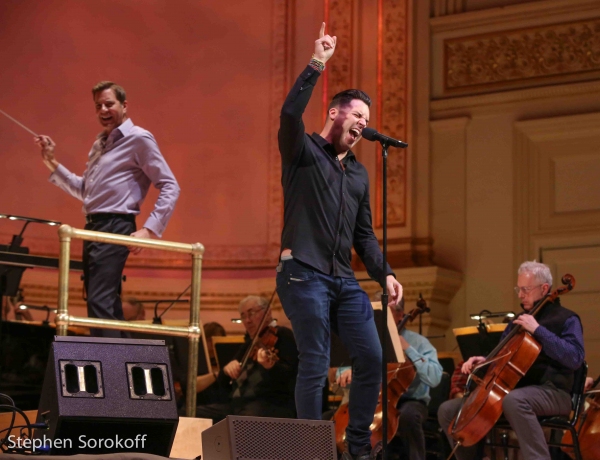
409, 442
545, 388
264, 387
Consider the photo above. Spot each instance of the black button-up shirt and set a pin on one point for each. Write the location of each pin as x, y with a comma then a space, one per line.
326, 204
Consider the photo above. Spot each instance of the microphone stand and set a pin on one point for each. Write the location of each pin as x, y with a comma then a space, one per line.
385, 144
384, 308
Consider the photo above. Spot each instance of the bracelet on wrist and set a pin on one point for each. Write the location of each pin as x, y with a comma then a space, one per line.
317, 65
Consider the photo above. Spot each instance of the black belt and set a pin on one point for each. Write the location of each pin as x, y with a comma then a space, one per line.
99, 217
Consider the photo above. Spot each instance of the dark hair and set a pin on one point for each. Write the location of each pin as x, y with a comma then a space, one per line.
347, 96
212, 329
119, 91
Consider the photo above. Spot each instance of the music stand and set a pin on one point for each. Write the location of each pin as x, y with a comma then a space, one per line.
226, 347
10, 275
339, 357
475, 341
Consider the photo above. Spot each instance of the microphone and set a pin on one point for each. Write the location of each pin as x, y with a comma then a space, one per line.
372, 135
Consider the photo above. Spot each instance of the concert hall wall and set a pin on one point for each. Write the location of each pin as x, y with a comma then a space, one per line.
498, 100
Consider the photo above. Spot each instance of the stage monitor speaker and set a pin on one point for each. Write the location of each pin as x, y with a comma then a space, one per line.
104, 395
262, 438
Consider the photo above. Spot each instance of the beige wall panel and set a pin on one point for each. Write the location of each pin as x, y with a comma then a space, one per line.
560, 161
448, 192
584, 264
448, 210
577, 187
490, 272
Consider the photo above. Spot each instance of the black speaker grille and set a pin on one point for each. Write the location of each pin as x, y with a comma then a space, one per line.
274, 440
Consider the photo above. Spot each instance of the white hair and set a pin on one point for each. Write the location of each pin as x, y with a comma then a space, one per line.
540, 272
258, 300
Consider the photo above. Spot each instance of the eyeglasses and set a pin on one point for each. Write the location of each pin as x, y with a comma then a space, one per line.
525, 289
250, 314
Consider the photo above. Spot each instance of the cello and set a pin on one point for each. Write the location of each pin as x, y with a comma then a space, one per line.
507, 363
588, 428
399, 378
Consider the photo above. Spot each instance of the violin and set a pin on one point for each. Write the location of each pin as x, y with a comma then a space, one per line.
506, 365
267, 338
588, 428
399, 378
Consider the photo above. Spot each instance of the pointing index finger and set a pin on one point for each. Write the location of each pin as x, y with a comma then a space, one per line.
322, 32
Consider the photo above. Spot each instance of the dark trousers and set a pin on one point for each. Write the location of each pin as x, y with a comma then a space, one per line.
103, 268
219, 411
315, 303
410, 430
521, 408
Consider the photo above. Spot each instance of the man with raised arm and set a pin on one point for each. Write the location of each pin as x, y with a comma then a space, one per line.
326, 213
123, 162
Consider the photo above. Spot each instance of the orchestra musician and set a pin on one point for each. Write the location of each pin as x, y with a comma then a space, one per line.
265, 386
409, 442
545, 388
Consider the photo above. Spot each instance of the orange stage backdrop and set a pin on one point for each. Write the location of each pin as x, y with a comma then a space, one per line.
199, 76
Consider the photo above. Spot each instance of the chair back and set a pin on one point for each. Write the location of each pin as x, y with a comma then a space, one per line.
578, 392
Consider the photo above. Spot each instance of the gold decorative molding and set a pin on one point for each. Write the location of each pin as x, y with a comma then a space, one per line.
44, 294
447, 7
505, 101
392, 104
521, 57
340, 17
280, 46
524, 14
215, 258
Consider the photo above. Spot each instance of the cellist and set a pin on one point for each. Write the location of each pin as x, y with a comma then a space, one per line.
413, 404
545, 388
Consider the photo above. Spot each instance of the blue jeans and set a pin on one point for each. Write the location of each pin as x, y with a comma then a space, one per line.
315, 303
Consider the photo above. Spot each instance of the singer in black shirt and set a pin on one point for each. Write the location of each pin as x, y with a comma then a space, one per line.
326, 213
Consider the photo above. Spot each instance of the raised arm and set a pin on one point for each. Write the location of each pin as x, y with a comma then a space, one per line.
291, 128
61, 176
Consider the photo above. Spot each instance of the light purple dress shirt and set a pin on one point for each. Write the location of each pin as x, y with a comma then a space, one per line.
118, 174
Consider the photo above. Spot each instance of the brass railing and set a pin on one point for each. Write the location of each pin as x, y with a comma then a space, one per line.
193, 331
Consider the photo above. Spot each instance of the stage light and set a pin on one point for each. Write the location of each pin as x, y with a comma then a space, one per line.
236, 320
488, 314
45, 308
36, 307
30, 219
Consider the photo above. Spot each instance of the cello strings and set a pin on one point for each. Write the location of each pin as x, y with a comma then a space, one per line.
18, 122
